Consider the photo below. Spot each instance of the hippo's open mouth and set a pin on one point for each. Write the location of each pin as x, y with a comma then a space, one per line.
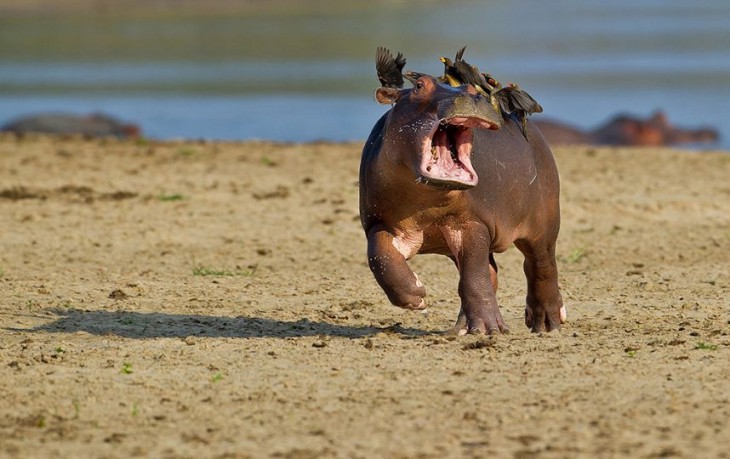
446, 154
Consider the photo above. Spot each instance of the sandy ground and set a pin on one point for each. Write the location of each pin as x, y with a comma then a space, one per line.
213, 300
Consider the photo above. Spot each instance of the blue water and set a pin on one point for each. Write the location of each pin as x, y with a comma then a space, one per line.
311, 76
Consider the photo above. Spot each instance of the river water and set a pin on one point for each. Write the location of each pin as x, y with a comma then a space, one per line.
304, 76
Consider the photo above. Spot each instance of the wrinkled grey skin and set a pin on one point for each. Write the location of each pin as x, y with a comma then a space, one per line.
516, 200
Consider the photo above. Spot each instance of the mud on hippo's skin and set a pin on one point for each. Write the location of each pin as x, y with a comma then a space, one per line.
442, 172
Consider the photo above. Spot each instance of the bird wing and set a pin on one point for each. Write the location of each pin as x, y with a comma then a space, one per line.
460, 53
389, 69
513, 98
468, 74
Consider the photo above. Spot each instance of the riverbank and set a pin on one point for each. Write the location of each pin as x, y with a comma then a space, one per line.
204, 299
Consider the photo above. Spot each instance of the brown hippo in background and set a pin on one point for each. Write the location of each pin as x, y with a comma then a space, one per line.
626, 130
442, 172
94, 125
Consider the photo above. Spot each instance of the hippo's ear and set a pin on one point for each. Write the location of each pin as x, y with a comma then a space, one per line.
387, 95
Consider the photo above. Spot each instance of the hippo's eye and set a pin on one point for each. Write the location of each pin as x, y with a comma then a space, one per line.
419, 84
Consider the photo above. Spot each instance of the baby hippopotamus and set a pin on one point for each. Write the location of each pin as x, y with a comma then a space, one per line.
443, 172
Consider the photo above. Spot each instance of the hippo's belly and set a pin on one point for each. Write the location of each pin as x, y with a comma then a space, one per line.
435, 240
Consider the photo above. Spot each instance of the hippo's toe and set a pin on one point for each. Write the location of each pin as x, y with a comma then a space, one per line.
489, 322
542, 320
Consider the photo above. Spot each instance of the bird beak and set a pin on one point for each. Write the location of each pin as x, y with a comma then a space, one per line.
412, 77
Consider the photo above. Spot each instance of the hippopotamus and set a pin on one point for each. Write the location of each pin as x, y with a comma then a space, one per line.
94, 125
443, 173
627, 130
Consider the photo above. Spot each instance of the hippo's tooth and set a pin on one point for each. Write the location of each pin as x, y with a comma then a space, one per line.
434, 153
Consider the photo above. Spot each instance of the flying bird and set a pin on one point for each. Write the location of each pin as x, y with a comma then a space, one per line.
389, 68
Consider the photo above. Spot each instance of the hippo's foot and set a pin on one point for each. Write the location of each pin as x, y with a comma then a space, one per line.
408, 295
489, 322
418, 304
545, 319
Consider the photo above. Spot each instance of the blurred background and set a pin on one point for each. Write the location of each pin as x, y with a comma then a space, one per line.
302, 71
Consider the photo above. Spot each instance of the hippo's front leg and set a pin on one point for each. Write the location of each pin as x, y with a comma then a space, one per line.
392, 272
477, 286
461, 326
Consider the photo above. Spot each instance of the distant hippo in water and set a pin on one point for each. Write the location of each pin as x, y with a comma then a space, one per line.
442, 172
94, 125
626, 130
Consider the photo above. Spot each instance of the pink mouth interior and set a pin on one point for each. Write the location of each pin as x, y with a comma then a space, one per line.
446, 156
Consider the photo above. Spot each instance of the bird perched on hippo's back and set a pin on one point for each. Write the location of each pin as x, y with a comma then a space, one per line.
515, 100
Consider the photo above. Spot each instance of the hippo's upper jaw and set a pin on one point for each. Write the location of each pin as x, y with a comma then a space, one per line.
446, 154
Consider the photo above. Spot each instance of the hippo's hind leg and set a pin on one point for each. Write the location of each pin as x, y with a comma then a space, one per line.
391, 270
544, 310
461, 326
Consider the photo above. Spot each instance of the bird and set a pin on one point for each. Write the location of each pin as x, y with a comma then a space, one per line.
510, 100
514, 100
459, 72
451, 75
470, 74
389, 68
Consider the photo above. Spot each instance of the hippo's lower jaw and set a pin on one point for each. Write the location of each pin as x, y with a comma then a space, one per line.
446, 154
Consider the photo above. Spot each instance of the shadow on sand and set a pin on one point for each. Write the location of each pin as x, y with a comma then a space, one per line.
140, 325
